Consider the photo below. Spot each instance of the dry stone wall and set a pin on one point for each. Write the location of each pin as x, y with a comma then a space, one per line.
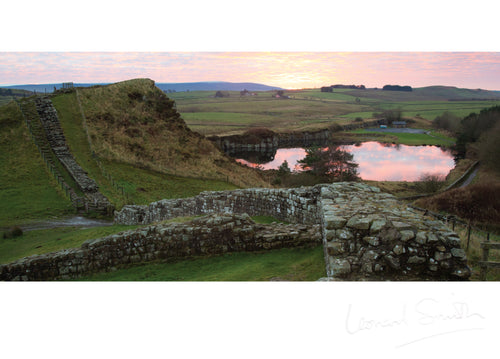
289, 205
56, 139
370, 235
209, 235
366, 235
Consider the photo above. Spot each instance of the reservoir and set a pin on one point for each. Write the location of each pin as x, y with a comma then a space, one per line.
377, 161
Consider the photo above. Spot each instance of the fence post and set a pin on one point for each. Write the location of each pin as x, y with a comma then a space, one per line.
482, 272
454, 221
468, 234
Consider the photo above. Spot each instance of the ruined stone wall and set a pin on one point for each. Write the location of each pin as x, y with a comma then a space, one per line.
56, 139
289, 205
370, 235
213, 234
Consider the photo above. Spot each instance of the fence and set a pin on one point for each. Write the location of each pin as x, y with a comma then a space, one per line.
109, 177
470, 231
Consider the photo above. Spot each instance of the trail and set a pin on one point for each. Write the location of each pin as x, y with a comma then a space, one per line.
470, 178
77, 221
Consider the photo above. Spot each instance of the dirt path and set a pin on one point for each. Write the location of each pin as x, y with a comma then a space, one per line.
77, 221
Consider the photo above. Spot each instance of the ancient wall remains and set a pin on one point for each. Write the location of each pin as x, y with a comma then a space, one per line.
289, 205
209, 235
369, 234
366, 235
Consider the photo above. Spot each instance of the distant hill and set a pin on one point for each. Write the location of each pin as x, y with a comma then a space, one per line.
429, 93
216, 86
178, 86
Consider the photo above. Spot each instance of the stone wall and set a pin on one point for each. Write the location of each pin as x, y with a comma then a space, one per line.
56, 139
371, 235
209, 235
289, 205
237, 143
366, 235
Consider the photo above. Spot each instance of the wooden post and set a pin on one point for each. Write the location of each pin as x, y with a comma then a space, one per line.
468, 235
454, 221
484, 268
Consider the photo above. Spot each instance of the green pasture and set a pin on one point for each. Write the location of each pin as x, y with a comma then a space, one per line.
293, 264
412, 139
27, 189
52, 240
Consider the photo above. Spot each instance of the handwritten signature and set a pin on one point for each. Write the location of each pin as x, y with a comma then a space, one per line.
425, 313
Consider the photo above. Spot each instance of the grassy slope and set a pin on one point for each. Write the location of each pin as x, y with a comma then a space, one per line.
27, 190
284, 264
51, 240
133, 122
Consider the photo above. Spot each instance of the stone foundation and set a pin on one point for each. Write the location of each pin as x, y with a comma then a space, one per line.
209, 235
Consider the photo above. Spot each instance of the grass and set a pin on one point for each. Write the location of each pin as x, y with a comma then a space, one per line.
412, 139
314, 109
304, 264
145, 186
474, 253
51, 240
27, 190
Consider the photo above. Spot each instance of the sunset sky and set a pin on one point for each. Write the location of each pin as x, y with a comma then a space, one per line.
282, 69
284, 44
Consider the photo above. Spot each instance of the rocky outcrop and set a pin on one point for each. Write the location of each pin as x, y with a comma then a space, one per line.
209, 235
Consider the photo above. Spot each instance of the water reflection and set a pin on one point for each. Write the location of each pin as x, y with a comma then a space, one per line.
378, 162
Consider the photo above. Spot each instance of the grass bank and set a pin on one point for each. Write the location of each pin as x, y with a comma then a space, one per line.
28, 192
293, 264
52, 240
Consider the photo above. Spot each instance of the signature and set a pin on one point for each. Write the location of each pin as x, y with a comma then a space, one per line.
426, 312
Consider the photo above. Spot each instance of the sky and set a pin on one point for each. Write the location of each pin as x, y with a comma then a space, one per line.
320, 43
289, 70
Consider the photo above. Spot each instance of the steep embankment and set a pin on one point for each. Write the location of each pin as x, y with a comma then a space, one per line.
27, 190
135, 122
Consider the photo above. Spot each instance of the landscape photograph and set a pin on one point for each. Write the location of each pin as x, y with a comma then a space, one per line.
340, 173
249, 179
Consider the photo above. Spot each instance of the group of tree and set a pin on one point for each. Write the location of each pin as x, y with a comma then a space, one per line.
352, 87
222, 94
389, 116
482, 130
397, 88
331, 162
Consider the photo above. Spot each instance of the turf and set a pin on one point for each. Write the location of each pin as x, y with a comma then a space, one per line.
27, 190
51, 240
306, 264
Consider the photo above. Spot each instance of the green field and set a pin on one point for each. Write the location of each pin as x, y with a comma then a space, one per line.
313, 109
412, 139
297, 264
51, 240
28, 191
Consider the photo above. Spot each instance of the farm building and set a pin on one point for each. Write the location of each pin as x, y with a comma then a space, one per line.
399, 124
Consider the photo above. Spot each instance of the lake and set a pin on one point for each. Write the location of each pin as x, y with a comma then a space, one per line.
377, 161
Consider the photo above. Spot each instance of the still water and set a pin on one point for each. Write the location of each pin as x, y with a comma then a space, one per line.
377, 161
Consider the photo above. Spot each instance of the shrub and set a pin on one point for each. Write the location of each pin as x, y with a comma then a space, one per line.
13, 233
358, 119
430, 183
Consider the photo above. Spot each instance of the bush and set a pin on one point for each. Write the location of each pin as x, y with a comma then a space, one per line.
358, 119
13, 233
430, 183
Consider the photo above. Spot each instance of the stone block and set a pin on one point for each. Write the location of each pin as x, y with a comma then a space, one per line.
335, 222
339, 267
359, 223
